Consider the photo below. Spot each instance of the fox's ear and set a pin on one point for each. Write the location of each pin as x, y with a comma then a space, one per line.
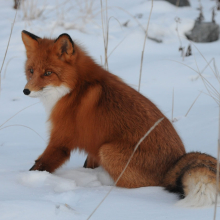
30, 40
64, 46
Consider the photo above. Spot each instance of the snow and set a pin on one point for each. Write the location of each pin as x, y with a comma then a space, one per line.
73, 192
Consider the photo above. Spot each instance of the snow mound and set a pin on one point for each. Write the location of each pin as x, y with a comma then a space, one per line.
87, 177
45, 179
63, 181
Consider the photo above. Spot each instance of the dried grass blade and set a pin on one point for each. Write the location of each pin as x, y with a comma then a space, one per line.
217, 175
17, 113
17, 125
12, 26
193, 104
145, 38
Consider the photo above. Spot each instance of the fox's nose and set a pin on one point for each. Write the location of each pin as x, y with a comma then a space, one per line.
26, 91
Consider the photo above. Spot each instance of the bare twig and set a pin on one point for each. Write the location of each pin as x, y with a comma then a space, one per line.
12, 26
217, 175
205, 67
201, 16
133, 18
136, 147
172, 106
17, 113
7, 66
178, 21
193, 104
17, 125
142, 55
101, 59
205, 81
181, 48
105, 31
206, 61
117, 46
217, 180
218, 157
216, 100
209, 86
30, 9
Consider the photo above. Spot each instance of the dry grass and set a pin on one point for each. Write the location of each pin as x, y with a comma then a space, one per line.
83, 11
139, 24
181, 48
12, 26
24, 126
217, 176
212, 92
31, 10
172, 119
1, 128
4, 75
19, 125
215, 95
17, 114
192, 104
142, 54
105, 30
212, 60
86, 9
7, 66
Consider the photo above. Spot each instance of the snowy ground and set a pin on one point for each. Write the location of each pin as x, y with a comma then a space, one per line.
73, 192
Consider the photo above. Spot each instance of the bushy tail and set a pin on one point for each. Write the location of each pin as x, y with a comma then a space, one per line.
193, 177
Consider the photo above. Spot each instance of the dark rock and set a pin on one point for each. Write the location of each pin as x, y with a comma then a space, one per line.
179, 3
204, 32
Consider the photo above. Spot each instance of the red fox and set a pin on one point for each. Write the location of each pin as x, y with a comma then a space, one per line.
92, 110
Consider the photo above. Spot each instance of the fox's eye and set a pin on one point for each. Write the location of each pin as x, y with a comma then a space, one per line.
31, 71
47, 73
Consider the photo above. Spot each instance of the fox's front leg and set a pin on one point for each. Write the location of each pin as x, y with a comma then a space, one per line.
52, 158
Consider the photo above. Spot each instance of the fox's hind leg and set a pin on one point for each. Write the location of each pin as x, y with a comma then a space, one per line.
114, 157
90, 162
52, 158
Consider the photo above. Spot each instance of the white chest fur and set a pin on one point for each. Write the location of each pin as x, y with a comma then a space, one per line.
51, 95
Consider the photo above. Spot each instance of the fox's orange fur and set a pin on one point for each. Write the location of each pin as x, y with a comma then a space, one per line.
94, 111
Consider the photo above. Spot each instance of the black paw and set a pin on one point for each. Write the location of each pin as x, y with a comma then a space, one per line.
85, 164
32, 168
38, 166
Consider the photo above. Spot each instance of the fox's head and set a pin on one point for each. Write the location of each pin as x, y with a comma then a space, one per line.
50, 66
48, 62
